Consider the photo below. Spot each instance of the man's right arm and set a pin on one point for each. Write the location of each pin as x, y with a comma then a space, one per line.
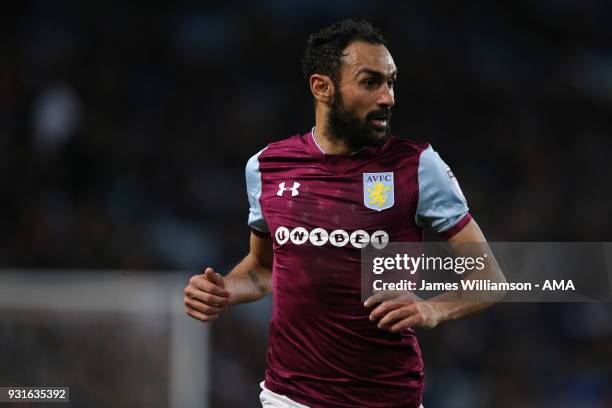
209, 294
251, 279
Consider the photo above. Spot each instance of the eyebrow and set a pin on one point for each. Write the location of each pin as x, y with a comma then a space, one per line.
374, 73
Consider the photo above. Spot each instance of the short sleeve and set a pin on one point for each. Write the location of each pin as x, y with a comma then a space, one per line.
253, 182
442, 205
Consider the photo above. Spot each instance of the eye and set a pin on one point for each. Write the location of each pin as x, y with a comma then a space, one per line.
391, 83
369, 83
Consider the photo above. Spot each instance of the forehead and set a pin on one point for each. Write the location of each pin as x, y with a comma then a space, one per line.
360, 55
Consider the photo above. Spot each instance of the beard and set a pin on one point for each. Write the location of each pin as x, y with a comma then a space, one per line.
343, 125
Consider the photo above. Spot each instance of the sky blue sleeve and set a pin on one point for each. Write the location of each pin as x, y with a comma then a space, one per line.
441, 202
253, 182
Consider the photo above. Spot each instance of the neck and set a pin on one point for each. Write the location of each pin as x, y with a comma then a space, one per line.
327, 142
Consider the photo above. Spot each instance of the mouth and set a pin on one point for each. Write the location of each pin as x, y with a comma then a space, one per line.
380, 121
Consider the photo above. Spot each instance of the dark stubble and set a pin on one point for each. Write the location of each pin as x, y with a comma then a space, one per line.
344, 125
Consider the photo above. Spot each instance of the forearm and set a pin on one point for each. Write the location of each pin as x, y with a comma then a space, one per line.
449, 306
248, 281
459, 303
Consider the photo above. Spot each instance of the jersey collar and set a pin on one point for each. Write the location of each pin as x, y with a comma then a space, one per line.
314, 141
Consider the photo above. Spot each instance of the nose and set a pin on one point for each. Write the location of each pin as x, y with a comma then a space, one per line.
386, 99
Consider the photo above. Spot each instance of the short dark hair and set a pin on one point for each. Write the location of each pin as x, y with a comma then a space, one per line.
324, 49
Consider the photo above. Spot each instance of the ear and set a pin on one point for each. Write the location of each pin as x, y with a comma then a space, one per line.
322, 88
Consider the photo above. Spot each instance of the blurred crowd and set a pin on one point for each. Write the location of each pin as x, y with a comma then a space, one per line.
124, 131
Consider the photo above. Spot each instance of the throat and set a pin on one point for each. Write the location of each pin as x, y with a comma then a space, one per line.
332, 146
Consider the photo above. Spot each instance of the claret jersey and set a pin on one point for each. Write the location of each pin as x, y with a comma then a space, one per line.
319, 211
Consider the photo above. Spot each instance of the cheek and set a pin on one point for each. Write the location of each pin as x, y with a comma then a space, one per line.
359, 101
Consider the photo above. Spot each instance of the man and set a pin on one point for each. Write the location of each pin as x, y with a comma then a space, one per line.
311, 210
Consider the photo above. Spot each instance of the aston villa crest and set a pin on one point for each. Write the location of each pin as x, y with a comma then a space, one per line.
378, 190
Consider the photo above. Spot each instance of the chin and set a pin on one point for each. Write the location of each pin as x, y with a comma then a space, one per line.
380, 136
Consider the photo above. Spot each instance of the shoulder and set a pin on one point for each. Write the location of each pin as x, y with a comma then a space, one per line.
407, 144
291, 150
401, 152
289, 147
404, 147
430, 160
284, 146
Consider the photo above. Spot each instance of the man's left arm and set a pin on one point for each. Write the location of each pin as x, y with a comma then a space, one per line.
404, 312
442, 207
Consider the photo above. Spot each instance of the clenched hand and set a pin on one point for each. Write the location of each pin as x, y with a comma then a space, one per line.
205, 296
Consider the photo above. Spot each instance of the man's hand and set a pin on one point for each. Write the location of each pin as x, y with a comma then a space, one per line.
205, 296
402, 312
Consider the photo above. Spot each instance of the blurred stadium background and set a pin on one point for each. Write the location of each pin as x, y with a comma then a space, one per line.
124, 131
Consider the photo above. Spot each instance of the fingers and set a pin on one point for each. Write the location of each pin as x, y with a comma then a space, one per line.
211, 276
205, 297
204, 308
384, 308
378, 297
387, 295
396, 316
200, 316
201, 283
413, 320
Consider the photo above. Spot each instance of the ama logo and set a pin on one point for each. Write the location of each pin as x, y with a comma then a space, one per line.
378, 190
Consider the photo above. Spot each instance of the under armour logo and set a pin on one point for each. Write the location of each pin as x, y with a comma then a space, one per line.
293, 189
